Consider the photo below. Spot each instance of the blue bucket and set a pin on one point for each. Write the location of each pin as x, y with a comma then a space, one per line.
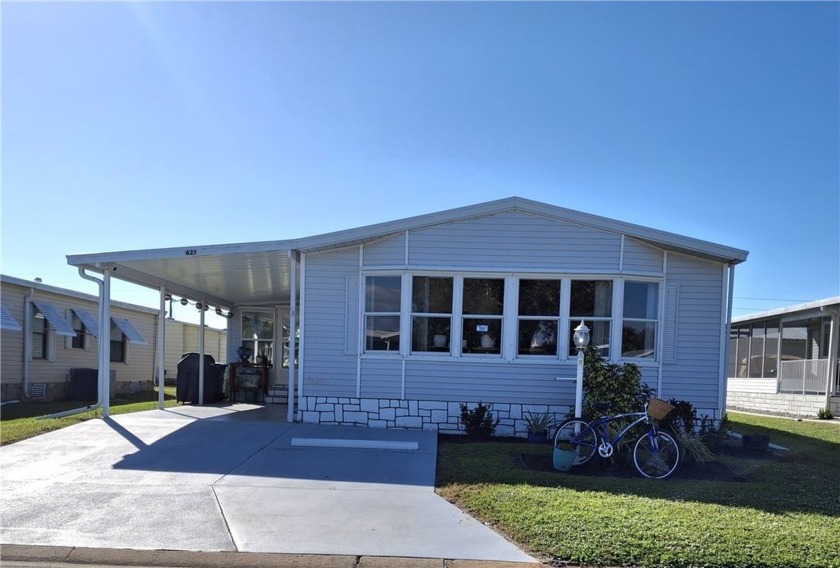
564, 459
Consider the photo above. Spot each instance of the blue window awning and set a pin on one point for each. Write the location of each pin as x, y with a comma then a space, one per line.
129, 330
7, 320
57, 322
90, 322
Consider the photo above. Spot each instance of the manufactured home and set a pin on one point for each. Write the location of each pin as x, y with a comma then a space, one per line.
50, 342
785, 361
397, 324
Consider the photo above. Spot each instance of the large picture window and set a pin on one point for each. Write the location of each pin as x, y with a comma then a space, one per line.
539, 317
591, 302
382, 313
431, 314
483, 308
641, 312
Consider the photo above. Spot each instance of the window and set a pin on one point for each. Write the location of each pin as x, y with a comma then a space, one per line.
482, 315
382, 313
40, 334
119, 344
539, 316
431, 314
78, 342
641, 309
591, 302
287, 324
258, 336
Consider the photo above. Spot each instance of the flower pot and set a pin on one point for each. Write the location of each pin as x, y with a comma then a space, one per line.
564, 459
537, 437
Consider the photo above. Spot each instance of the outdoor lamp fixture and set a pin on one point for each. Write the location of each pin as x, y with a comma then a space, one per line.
218, 311
184, 301
198, 306
230, 315
581, 336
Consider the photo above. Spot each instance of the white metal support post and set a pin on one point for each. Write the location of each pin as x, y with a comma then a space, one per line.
105, 343
290, 413
201, 353
161, 346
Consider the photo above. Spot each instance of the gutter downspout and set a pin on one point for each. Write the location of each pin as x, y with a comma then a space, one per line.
98, 403
27, 340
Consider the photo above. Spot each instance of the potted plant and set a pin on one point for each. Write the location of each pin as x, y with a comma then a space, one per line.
564, 456
538, 425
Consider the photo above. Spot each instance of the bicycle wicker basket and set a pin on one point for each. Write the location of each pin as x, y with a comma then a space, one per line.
658, 409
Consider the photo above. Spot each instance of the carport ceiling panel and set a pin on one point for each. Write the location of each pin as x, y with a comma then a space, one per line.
241, 278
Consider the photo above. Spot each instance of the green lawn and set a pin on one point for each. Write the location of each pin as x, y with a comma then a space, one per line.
788, 515
19, 421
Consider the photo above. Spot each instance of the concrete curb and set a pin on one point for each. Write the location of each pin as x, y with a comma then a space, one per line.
26, 556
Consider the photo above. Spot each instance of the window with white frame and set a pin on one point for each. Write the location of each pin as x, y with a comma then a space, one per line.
431, 314
78, 342
258, 336
539, 317
40, 335
482, 315
641, 319
591, 302
383, 295
119, 344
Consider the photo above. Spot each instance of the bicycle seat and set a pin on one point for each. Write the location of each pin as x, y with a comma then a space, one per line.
602, 405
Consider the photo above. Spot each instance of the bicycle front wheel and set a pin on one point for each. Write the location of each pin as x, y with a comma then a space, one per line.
656, 455
574, 435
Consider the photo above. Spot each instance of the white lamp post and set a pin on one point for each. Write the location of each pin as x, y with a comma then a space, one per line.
581, 338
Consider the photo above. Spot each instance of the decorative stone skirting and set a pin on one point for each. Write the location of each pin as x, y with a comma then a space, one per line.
780, 404
434, 415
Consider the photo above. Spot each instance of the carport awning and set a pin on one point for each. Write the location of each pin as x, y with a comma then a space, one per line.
222, 275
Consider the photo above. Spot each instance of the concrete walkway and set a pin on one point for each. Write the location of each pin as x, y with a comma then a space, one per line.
235, 479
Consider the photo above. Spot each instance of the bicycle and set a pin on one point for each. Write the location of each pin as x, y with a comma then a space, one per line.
656, 454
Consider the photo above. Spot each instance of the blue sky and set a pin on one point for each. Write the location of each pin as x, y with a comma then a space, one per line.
146, 125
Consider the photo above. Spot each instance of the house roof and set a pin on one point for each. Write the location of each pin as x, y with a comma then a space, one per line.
260, 273
807, 309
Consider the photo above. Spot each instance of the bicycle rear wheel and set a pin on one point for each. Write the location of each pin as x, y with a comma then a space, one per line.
656, 455
574, 435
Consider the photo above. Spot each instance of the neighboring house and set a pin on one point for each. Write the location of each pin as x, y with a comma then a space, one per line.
400, 322
48, 333
785, 361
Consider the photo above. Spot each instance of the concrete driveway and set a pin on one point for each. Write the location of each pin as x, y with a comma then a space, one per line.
236, 478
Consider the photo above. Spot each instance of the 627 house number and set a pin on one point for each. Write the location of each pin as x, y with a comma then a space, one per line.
191, 252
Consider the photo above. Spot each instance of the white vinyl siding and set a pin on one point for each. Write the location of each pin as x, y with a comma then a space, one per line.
327, 369
515, 241
641, 258
696, 373
389, 252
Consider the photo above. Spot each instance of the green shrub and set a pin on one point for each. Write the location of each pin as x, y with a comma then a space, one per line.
619, 385
825, 414
478, 423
